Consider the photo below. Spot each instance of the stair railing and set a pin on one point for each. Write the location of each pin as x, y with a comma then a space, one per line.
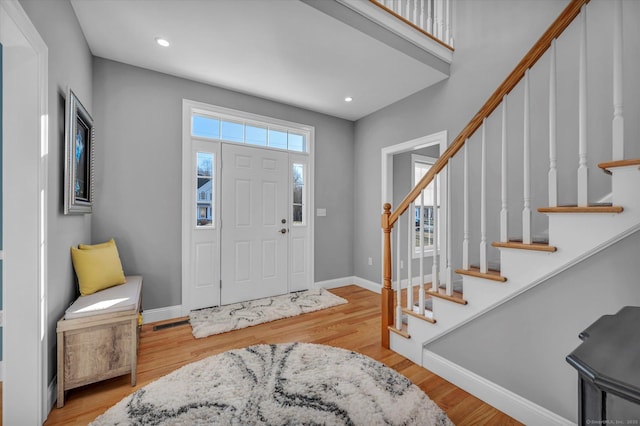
392, 310
430, 17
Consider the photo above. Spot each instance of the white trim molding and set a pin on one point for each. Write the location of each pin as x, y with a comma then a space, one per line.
25, 142
503, 399
162, 314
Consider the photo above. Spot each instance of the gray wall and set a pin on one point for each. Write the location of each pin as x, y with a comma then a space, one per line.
69, 67
139, 124
522, 344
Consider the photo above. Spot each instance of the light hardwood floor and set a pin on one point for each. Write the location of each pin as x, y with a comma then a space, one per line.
354, 326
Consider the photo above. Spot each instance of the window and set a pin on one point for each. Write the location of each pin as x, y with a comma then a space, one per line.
248, 132
299, 193
424, 206
204, 188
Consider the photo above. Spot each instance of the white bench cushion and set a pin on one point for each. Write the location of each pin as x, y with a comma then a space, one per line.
120, 298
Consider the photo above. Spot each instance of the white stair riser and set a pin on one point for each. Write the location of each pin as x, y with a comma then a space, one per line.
626, 191
579, 232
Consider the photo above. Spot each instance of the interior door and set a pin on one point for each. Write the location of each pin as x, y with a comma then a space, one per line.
254, 229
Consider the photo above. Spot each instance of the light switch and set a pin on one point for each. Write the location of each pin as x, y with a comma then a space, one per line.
321, 212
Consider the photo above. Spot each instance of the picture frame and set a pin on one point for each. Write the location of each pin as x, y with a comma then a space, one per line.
79, 171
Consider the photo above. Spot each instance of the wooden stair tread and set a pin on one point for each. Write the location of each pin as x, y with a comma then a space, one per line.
592, 208
441, 294
536, 246
619, 163
402, 332
417, 315
474, 271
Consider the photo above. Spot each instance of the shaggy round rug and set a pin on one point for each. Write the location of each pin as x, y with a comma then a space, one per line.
287, 384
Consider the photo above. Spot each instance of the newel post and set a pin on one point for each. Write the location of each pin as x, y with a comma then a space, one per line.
387, 291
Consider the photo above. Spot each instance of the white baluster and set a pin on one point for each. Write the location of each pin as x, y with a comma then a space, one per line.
483, 201
399, 280
407, 10
430, 16
504, 213
447, 22
618, 118
435, 279
465, 208
553, 172
415, 19
526, 166
411, 226
583, 171
421, 283
422, 14
437, 19
448, 273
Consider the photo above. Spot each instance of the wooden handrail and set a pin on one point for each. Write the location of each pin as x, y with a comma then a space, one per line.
542, 45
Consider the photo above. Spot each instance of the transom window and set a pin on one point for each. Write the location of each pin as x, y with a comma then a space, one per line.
249, 132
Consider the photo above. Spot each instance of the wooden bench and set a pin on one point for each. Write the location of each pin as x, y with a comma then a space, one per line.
98, 337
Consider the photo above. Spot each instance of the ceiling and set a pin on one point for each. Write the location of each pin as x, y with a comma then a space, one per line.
283, 50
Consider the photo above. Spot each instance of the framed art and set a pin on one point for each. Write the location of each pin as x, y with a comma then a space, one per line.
79, 158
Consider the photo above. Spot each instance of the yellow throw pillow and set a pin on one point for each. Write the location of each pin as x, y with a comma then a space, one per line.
110, 243
97, 268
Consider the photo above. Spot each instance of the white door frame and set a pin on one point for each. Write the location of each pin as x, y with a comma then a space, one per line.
388, 152
25, 388
187, 107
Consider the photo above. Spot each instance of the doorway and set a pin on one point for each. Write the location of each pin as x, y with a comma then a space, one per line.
24, 210
434, 142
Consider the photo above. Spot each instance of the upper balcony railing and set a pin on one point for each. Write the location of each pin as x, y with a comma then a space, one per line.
431, 17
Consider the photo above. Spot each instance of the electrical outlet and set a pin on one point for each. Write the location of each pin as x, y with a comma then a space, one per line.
370, 261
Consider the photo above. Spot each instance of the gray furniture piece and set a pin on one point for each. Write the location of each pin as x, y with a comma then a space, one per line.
608, 362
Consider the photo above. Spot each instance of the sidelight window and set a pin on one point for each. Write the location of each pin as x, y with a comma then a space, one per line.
204, 189
299, 193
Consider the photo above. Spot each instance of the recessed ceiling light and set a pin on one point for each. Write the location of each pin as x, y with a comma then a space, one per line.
348, 99
162, 42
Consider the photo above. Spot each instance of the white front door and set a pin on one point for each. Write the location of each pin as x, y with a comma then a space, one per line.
255, 223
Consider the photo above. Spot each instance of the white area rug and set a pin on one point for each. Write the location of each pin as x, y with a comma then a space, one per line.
206, 322
287, 384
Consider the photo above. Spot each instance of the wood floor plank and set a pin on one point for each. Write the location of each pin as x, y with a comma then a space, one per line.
354, 326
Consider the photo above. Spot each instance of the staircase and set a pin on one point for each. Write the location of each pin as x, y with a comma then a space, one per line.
416, 315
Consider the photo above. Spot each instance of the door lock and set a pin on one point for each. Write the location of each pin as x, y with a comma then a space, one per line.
284, 220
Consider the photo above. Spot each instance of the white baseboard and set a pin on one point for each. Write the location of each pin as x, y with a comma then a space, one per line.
338, 282
161, 314
341, 282
503, 399
369, 285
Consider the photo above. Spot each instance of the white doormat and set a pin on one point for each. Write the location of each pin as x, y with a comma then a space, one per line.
209, 321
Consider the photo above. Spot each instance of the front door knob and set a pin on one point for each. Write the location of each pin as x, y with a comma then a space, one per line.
283, 231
